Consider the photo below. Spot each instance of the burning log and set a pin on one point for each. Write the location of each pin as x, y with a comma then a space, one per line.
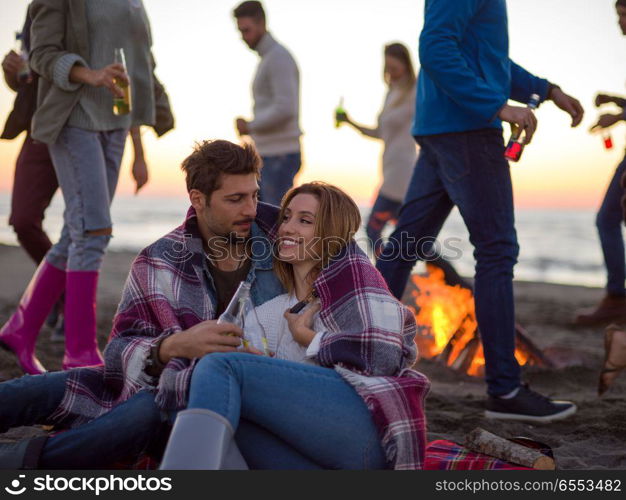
484, 442
536, 356
447, 327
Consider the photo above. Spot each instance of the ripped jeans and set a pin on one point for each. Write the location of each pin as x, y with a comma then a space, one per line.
87, 165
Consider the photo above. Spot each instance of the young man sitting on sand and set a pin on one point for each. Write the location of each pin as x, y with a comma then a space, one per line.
119, 411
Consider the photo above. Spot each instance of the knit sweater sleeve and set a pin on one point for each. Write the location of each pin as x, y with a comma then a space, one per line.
283, 86
48, 56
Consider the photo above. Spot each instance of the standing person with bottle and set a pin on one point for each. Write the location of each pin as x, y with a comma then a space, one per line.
275, 128
72, 49
464, 85
34, 181
394, 129
609, 219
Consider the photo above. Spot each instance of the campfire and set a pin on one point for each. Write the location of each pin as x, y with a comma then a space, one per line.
447, 328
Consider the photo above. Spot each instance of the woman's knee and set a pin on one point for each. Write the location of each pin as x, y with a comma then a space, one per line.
107, 231
87, 250
220, 362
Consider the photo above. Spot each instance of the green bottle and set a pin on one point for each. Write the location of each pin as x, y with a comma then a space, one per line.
338, 112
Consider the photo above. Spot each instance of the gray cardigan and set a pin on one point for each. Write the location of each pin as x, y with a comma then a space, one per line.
59, 31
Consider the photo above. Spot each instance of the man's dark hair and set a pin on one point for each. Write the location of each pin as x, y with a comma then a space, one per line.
620, 3
211, 159
252, 9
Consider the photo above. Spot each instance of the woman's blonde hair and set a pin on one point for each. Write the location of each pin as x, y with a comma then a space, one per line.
337, 221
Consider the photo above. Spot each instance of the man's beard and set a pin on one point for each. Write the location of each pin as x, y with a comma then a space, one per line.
233, 244
233, 239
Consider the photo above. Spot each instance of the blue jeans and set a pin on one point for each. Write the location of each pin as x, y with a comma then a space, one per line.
384, 210
277, 176
467, 170
609, 223
293, 415
87, 165
124, 433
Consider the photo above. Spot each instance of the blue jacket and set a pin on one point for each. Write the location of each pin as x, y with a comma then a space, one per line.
466, 75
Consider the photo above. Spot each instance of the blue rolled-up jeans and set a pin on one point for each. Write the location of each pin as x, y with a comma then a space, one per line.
277, 176
87, 165
468, 170
288, 415
609, 222
123, 434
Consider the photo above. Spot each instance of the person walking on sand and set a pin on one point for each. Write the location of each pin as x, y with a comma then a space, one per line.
72, 49
465, 81
34, 181
275, 127
394, 129
609, 220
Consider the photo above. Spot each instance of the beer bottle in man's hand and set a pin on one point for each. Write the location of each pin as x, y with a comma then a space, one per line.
515, 147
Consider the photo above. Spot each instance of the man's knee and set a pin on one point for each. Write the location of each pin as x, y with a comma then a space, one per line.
24, 226
504, 252
145, 409
607, 219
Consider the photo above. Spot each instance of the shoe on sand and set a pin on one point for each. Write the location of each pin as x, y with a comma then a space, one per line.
611, 308
528, 406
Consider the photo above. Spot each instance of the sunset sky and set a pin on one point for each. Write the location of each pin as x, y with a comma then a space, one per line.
338, 46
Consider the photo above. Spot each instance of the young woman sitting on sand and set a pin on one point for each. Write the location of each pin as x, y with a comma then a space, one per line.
344, 395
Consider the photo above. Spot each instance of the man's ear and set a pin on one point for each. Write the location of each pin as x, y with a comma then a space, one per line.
198, 199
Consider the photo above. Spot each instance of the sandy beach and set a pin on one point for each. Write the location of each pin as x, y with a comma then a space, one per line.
595, 438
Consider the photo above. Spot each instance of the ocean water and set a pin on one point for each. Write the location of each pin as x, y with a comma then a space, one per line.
557, 246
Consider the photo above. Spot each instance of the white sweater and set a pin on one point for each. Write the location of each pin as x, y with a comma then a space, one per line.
275, 128
280, 340
400, 153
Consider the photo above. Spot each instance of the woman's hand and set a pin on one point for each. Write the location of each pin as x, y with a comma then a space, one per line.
300, 324
104, 77
342, 117
140, 173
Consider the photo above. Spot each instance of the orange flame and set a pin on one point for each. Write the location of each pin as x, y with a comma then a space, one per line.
446, 319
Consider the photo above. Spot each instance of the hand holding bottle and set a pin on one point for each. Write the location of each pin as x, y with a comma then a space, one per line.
340, 114
522, 118
605, 121
104, 77
603, 124
204, 338
11, 63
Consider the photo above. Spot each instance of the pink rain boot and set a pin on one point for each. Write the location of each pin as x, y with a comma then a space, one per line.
19, 334
81, 347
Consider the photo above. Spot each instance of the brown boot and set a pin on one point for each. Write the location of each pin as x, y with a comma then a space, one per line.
611, 308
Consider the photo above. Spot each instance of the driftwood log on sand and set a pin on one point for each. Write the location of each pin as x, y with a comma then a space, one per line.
485, 442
